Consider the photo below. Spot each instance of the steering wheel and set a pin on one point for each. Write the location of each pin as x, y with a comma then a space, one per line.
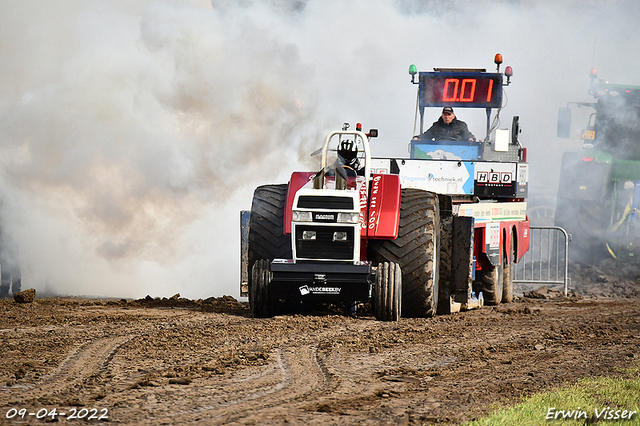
350, 171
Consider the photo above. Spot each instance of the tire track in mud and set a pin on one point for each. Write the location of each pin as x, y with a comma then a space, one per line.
297, 374
81, 363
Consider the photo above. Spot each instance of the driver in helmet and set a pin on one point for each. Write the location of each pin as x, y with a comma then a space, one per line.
348, 157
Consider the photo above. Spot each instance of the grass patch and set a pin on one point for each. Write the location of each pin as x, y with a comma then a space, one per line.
589, 401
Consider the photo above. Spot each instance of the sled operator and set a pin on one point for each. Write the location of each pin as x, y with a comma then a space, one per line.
448, 127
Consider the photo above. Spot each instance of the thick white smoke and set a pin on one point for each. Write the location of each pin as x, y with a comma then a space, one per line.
132, 133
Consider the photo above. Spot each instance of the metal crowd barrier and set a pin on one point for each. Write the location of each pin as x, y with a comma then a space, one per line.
547, 261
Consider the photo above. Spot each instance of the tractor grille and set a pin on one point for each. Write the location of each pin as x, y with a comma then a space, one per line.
324, 202
323, 247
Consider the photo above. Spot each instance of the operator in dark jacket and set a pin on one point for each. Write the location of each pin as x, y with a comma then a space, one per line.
448, 127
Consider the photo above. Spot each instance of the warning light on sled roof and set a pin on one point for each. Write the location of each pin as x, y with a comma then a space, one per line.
497, 60
413, 71
593, 73
359, 127
508, 71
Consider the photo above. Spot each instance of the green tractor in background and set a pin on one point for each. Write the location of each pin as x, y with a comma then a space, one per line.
599, 189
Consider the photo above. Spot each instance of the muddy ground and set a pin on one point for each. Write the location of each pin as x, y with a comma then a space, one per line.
161, 361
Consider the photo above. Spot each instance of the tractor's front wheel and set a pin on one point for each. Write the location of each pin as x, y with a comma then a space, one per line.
387, 302
259, 295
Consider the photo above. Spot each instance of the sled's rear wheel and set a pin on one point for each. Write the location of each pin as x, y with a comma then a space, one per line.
508, 271
489, 282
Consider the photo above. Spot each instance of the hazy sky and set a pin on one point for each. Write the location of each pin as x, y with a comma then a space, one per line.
133, 132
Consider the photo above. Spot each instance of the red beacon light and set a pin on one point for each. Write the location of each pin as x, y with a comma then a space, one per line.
373, 133
593, 73
508, 71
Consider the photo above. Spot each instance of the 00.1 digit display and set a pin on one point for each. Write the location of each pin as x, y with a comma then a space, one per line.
471, 90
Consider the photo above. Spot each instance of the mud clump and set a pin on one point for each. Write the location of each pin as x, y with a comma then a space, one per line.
609, 279
223, 304
26, 296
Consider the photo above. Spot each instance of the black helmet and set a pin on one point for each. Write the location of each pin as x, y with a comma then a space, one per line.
348, 152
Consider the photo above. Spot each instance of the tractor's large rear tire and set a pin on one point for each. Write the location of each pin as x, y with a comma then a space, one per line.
416, 250
266, 228
387, 303
587, 222
584, 207
489, 282
508, 271
261, 303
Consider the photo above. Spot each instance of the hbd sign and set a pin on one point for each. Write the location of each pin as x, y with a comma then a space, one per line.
494, 178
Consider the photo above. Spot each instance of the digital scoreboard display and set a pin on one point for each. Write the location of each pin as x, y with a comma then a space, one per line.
460, 89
